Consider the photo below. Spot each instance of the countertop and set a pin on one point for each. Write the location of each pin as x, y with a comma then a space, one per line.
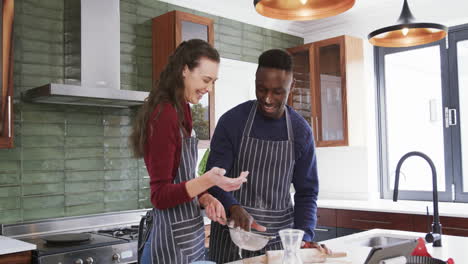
10, 245
404, 207
452, 247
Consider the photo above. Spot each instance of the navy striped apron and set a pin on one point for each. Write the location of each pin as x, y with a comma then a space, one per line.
266, 194
178, 233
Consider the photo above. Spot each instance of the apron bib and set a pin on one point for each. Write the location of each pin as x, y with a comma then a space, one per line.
266, 194
178, 233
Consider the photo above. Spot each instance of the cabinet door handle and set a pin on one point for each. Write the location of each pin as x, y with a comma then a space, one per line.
316, 126
321, 229
9, 117
455, 228
371, 221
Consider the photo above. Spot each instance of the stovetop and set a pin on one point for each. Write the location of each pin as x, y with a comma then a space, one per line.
99, 238
112, 237
96, 240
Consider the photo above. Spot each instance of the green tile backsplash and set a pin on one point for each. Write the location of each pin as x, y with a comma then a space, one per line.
75, 160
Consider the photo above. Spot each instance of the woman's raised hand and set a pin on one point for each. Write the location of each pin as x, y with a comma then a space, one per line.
228, 184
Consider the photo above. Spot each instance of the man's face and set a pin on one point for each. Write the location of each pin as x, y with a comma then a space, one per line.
272, 88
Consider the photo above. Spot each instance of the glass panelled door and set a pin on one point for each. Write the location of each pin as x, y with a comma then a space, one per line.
415, 97
330, 93
458, 114
462, 58
414, 116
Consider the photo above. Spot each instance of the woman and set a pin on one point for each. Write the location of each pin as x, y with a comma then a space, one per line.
161, 135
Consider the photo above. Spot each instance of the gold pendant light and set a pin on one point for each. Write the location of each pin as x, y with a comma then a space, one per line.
406, 32
301, 9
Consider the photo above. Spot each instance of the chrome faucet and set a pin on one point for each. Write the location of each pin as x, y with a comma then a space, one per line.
436, 235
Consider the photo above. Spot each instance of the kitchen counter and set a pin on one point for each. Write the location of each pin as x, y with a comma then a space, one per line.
404, 207
452, 247
10, 245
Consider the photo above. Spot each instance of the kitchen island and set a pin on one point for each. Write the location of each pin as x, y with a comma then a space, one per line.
452, 247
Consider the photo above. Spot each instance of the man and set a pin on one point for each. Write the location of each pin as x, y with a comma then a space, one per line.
275, 144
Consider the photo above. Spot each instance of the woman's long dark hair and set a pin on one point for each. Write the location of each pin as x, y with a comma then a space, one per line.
170, 88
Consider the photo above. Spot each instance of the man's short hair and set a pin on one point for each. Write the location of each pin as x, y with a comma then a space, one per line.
277, 59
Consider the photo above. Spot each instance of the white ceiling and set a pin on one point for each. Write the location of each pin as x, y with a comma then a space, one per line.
365, 16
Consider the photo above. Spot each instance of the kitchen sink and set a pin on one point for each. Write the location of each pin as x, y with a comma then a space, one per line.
380, 240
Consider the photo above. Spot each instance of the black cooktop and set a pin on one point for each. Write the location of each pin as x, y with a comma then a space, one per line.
94, 241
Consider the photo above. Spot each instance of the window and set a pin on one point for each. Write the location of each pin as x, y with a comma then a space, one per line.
422, 105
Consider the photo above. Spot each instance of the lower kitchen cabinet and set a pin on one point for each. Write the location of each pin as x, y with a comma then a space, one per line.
16, 258
324, 233
340, 231
366, 220
453, 226
346, 222
326, 217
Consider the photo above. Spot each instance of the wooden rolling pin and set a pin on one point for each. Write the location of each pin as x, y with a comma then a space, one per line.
337, 255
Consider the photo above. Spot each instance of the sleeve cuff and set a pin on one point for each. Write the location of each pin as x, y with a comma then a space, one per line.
307, 237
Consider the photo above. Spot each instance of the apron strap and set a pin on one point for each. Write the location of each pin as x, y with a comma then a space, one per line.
289, 125
248, 125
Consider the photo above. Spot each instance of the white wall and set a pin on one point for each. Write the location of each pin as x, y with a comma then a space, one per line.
235, 85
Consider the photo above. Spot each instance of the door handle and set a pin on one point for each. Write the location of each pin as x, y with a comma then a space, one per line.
453, 117
9, 117
321, 229
371, 221
316, 127
450, 117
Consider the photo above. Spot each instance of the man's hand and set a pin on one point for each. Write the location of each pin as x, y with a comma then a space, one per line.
213, 208
243, 219
322, 247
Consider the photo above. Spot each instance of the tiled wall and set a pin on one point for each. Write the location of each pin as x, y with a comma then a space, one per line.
73, 160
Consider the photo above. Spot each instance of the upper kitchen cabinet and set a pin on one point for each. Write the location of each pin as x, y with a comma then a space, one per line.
169, 30
325, 71
6, 89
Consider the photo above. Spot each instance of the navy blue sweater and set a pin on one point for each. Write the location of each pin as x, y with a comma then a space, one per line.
225, 147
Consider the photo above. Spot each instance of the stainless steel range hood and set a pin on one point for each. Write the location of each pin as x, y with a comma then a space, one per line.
95, 70
54, 93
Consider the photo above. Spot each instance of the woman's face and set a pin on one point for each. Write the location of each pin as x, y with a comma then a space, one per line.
200, 80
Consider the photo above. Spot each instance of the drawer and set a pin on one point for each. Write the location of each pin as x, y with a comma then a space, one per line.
453, 226
16, 258
326, 217
324, 233
366, 220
